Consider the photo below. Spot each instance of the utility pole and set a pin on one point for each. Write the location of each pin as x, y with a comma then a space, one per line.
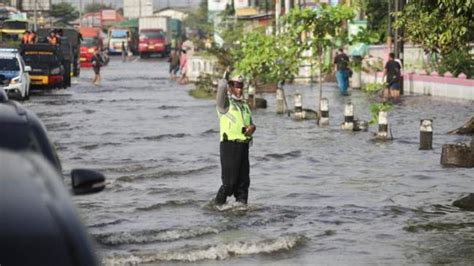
80, 13
389, 28
398, 34
287, 6
35, 7
93, 15
277, 15
139, 8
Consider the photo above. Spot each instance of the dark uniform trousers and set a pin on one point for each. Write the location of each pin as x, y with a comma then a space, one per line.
235, 171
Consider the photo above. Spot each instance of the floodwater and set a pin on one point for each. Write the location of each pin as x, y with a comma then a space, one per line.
318, 195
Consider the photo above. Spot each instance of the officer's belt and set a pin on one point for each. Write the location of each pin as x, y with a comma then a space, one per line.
237, 141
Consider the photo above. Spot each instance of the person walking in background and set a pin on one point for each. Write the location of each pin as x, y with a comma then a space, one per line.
236, 131
342, 75
174, 64
124, 52
392, 71
183, 67
96, 65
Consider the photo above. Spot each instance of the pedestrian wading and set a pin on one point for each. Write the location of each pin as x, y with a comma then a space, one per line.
342, 74
236, 130
96, 65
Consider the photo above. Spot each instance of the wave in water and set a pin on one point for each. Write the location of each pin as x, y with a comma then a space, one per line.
164, 136
291, 154
132, 168
170, 203
150, 236
213, 252
164, 173
114, 222
99, 145
209, 131
167, 107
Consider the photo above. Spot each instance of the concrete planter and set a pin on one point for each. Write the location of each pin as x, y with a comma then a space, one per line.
456, 155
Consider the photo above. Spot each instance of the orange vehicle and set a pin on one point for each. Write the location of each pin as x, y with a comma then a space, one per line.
91, 41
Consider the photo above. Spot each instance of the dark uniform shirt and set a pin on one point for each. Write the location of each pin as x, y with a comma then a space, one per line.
341, 61
393, 69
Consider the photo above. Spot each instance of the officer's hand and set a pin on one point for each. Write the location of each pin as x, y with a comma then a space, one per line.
250, 129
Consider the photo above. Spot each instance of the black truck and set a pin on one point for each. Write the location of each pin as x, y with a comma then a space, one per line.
73, 37
47, 65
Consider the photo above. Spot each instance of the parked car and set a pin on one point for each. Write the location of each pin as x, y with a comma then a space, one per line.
39, 224
15, 74
21, 130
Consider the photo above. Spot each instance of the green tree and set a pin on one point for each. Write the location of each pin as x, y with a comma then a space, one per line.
96, 7
265, 57
198, 20
376, 13
231, 33
438, 25
65, 13
316, 30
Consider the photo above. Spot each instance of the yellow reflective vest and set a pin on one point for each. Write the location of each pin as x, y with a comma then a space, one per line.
232, 122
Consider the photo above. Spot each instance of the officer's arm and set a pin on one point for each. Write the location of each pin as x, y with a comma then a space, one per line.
221, 98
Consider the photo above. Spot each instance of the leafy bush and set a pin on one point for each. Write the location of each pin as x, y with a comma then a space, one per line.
373, 88
375, 108
457, 62
204, 87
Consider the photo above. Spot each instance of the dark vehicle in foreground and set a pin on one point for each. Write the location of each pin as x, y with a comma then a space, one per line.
46, 61
21, 130
39, 224
73, 38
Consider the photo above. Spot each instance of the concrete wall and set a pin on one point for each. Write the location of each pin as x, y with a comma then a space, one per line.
433, 84
198, 65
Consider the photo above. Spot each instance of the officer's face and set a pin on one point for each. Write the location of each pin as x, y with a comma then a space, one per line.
236, 89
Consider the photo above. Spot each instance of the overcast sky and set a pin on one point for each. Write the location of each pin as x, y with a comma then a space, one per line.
157, 4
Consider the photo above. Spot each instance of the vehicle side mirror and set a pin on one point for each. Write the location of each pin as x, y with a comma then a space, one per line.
85, 181
27, 68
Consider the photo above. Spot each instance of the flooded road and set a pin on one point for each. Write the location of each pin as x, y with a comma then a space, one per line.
317, 195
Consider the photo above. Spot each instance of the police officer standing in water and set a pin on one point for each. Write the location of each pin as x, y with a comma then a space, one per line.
236, 130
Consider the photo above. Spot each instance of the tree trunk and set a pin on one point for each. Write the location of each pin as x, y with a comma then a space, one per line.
466, 129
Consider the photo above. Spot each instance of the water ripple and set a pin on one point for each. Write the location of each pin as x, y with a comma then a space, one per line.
150, 236
212, 252
164, 136
164, 173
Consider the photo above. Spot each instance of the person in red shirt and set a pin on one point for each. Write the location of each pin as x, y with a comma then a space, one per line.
183, 67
